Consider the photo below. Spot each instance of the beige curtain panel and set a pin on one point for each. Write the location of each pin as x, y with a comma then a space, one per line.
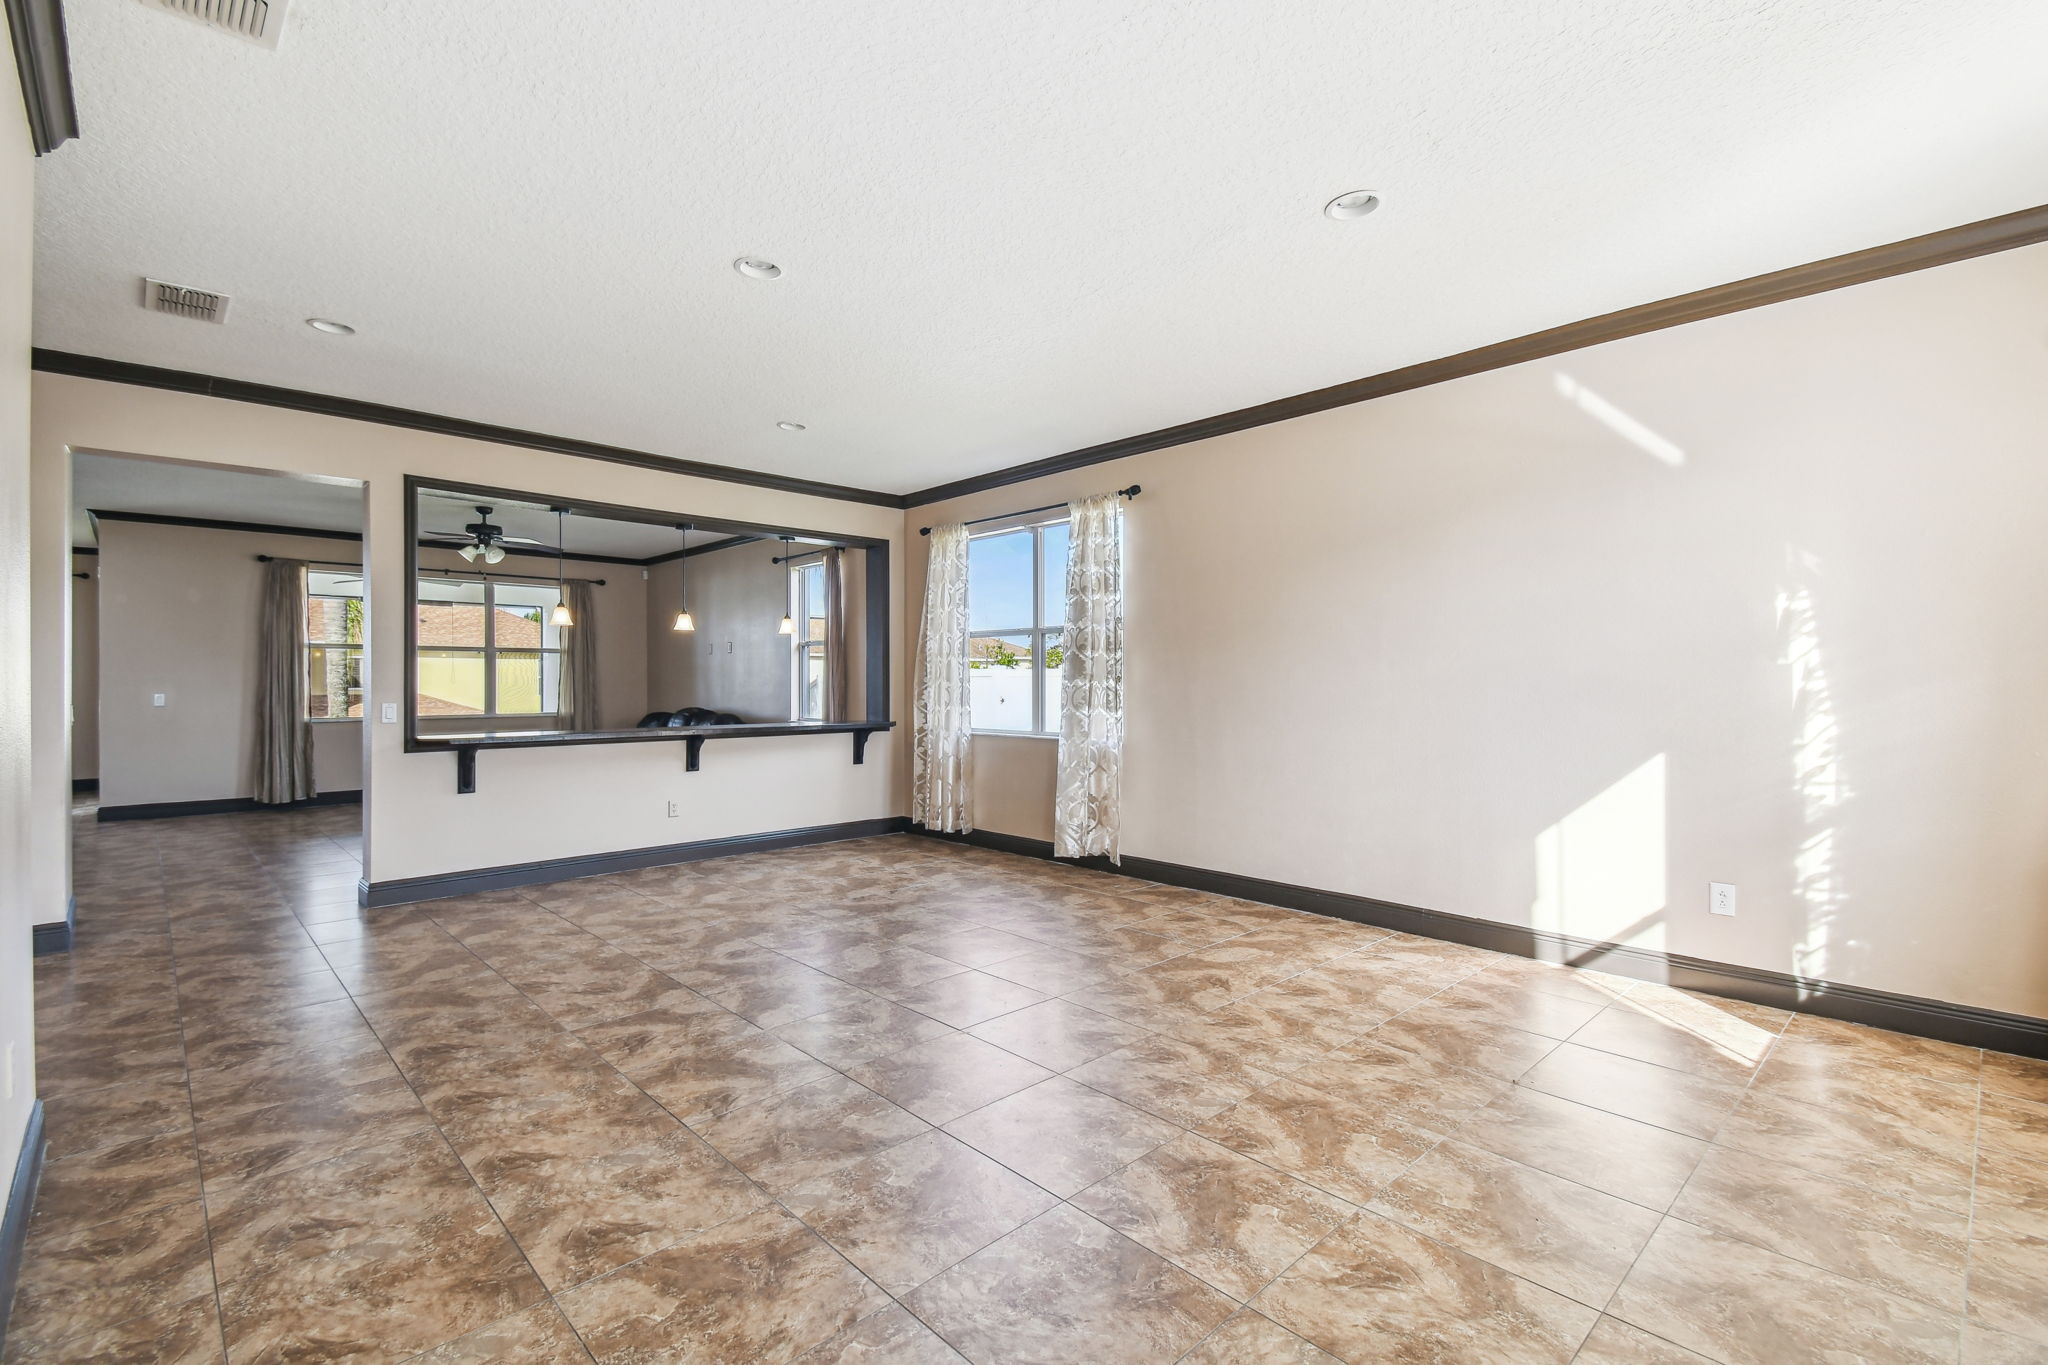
941, 742
1088, 801
578, 704
284, 737
835, 636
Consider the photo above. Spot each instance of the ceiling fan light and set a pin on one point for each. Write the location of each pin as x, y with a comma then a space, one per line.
684, 622
493, 553
470, 552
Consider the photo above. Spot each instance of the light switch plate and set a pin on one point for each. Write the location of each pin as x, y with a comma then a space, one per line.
388, 713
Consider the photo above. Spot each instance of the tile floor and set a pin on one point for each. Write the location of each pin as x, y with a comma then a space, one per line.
905, 1101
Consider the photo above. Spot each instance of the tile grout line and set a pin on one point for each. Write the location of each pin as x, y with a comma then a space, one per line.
220, 1316
835, 1071
678, 1119
441, 1133
1666, 1214
1970, 1226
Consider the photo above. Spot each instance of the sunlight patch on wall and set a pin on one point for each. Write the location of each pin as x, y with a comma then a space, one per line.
1619, 422
1816, 763
1600, 871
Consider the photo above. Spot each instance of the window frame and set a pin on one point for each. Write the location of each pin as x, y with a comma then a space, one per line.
490, 649
801, 645
355, 650
874, 558
1036, 632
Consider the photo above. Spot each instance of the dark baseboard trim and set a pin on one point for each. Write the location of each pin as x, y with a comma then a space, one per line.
1950, 1023
21, 1200
81, 785
167, 810
57, 936
375, 895
355, 410
1981, 238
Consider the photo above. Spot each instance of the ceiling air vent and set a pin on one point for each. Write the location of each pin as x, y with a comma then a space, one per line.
179, 300
258, 21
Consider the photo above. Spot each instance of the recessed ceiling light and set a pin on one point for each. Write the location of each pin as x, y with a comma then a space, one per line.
1356, 204
331, 327
791, 426
754, 268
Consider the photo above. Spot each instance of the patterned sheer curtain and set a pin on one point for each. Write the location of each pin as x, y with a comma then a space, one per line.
284, 737
578, 703
941, 743
1090, 791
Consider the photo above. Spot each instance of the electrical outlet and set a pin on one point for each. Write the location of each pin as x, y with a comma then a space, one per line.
675, 809
1721, 898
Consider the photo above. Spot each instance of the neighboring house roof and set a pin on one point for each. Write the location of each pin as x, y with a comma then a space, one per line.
461, 627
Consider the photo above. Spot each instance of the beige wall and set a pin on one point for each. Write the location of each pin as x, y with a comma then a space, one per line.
85, 667
1758, 600
529, 806
178, 612
734, 661
19, 909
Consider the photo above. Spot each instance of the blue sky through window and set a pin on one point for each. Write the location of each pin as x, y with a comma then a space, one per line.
999, 581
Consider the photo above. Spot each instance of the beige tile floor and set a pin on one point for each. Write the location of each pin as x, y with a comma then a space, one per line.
905, 1101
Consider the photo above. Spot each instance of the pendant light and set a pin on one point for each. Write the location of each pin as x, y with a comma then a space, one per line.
788, 626
684, 622
561, 616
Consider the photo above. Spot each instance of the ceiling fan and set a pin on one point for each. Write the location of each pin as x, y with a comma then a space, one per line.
482, 540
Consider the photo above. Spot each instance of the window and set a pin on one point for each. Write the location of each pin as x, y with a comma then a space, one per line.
334, 645
487, 648
807, 609
1016, 604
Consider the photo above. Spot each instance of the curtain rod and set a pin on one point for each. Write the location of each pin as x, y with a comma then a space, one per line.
447, 573
1130, 492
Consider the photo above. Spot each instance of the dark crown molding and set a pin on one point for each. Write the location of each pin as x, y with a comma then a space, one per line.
213, 524
43, 59
326, 405
711, 547
2024, 228
272, 529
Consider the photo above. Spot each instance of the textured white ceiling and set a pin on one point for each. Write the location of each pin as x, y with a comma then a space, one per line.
1009, 230
116, 483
